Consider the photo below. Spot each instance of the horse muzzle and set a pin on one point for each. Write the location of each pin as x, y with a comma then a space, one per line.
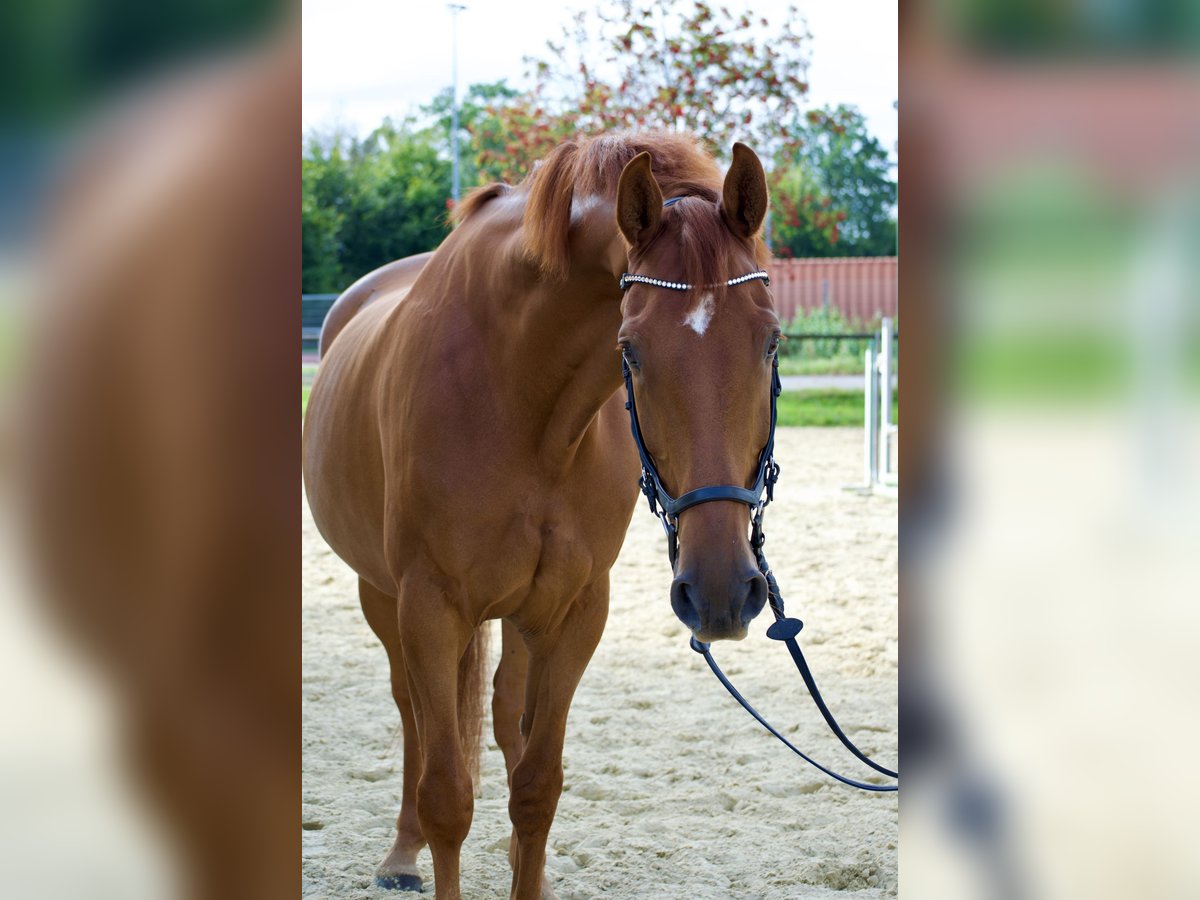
715, 608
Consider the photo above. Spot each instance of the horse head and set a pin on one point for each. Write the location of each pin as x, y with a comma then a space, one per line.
699, 337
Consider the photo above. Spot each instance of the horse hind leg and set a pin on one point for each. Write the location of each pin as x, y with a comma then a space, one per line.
508, 704
398, 871
508, 697
556, 664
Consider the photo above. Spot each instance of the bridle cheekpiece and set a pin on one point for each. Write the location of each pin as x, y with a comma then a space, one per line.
668, 508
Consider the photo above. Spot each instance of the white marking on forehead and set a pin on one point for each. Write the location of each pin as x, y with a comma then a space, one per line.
698, 318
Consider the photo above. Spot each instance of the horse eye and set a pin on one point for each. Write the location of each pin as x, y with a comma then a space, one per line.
630, 356
773, 347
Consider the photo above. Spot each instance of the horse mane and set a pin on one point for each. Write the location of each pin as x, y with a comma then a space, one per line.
592, 168
477, 198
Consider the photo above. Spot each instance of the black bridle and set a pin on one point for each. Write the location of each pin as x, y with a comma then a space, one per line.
668, 510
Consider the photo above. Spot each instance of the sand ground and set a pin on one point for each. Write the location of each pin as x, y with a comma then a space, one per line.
671, 790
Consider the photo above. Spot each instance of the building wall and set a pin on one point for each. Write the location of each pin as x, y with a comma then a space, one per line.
862, 288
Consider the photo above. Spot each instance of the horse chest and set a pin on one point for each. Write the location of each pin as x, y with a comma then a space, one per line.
510, 528
531, 556
546, 559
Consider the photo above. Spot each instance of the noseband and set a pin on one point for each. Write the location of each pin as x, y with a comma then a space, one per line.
668, 510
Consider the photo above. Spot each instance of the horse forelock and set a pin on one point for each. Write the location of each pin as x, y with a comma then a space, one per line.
699, 249
703, 249
576, 171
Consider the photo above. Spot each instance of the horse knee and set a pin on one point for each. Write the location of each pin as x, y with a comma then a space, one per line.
534, 797
445, 802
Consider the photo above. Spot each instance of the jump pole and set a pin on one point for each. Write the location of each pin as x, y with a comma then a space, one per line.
878, 428
887, 428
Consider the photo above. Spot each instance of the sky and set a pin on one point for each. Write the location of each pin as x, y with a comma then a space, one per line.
367, 59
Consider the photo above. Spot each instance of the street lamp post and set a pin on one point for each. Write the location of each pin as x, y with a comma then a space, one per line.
455, 184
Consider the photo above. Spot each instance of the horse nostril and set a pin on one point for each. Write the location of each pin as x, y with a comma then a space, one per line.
756, 598
684, 605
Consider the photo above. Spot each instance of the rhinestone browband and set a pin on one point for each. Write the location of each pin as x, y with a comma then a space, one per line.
628, 280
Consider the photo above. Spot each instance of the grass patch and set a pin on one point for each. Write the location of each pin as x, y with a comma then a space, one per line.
809, 409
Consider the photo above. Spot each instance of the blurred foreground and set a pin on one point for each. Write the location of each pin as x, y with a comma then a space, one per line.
1050, 511
149, 457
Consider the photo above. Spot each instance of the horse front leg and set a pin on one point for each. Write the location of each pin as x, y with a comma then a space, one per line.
434, 637
556, 663
398, 871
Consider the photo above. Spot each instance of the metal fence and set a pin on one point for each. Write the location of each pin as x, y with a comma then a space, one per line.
313, 309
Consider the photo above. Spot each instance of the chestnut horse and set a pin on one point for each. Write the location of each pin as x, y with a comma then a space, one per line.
468, 453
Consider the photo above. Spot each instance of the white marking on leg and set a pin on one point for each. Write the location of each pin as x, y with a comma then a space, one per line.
699, 317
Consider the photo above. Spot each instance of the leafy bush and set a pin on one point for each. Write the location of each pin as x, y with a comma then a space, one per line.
822, 321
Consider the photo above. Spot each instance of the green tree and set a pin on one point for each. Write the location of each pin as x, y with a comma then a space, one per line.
804, 223
854, 172
399, 191
365, 203
481, 134
324, 185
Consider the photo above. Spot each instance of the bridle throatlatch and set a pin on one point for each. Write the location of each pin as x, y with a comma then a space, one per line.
668, 509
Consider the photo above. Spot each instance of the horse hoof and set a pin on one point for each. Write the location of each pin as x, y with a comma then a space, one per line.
400, 883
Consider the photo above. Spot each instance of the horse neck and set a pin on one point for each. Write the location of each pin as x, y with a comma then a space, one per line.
573, 365
555, 340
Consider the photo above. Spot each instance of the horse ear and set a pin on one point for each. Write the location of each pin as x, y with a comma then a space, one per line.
639, 201
744, 197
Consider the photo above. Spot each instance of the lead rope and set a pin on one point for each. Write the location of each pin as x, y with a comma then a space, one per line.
784, 630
